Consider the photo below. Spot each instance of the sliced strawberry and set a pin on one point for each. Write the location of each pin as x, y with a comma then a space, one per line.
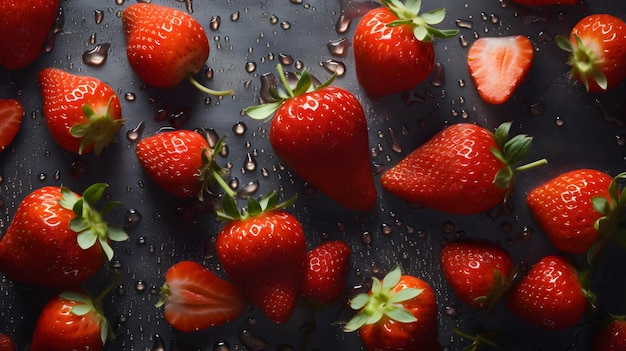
498, 65
11, 113
196, 299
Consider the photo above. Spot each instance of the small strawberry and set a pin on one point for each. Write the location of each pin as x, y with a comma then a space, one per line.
24, 27
546, 2
327, 269
6, 343
393, 48
194, 298
550, 295
72, 320
610, 336
58, 238
399, 313
498, 65
82, 113
597, 47
180, 162
464, 169
165, 45
321, 133
11, 114
263, 251
478, 271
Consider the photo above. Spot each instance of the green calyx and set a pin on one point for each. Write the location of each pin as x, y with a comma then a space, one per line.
408, 13
382, 301
85, 304
211, 172
89, 222
269, 202
99, 131
500, 287
480, 339
510, 152
305, 84
584, 61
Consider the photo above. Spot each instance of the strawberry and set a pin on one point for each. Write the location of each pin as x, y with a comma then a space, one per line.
610, 336
180, 162
82, 112
6, 343
72, 320
498, 65
478, 271
546, 2
597, 52
321, 133
550, 295
464, 169
393, 48
24, 27
58, 238
263, 251
327, 268
165, 45
194, 298
398, 313
11, 114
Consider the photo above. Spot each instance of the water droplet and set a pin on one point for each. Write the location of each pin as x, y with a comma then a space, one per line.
367, 238
234, 16
386, 229
461, 23
214, 23
343, 23
249, 165
273, 19
56, 175
463, 41
252, 342
250, 66
162, 114
141, 240
130, 96
439, 76
56, 29
96, 56
131, 219
249, 189
140, 286
393, 140
221, 345
79, 168
461, 83
453, 311
620, 140
135, 133
98, 16
240, 128
209, 73
334, 66
410, 97
179, 118
558, 121
285, 59
338, 47
537, 108
447, 227
493, 18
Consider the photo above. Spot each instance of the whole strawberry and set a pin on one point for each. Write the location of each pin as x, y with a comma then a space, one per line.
464, 169
597, 47
321, 133
550, 295
11, 114
399, 313
263, 251
6, 343
58, 238
82, 113
24, 27
393, 48
610, 336
165, 45
478, 271
327, 268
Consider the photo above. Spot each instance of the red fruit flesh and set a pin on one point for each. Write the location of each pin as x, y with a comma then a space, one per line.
11, 113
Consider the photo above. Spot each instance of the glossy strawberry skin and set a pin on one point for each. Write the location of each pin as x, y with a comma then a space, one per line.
549, 296
563, 208
322, 136
163, 45
40, 249
264, 255
24, 27
327, 268
387, 59
610, 337
452, 172
11, 114
6, 343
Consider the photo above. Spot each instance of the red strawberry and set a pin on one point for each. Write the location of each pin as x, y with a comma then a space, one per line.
11, 113
597, 47
24, 27
327, 268
393, 48
321, 133
479, 272
463, 169
82, 113
611, 336
165, 45
72, 320
399, 313
6, 343
263, 251
194, 298
550, 296
498, 65
181, 162
58, 238
546, 2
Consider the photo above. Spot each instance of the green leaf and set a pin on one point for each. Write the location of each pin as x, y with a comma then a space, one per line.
81, 310
421, 33
356, 322
435, 16
94, 192
374, 316
86, 239
304, 83
75, 296
229, 206
405, 295
413, 6
254, 207
564, 43
501, 135
263, 111
516, 149
110, 205
108, 251
359, 301
68, 198
392, 278
601, 205
116, 234
400, 315
79, 224
600, 78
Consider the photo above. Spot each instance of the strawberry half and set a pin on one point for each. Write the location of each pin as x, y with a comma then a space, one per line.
11, 113
326, 276
498, 65
194, 298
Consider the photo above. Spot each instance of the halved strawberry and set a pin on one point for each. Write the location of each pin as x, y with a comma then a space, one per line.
11, 113
498, 65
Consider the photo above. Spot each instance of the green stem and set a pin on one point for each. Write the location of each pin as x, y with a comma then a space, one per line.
224, 185
528, 166
283, 79
207, 90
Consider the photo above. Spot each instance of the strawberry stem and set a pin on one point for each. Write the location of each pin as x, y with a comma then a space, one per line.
206, 90
227, 189
609, 224
100, 129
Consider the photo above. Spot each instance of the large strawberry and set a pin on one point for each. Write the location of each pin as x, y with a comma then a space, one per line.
321, 133
24, 27
464, 169
11, 114
393, 48
263, 251
165, 45
327, 272
610, 336
478, 271
58, 238
194, 298
597, 47
82, 113
398, 313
